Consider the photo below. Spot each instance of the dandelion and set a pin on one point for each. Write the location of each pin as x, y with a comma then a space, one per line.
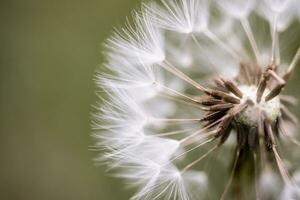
192, 80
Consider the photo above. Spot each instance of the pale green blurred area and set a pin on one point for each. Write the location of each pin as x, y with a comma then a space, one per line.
49, 52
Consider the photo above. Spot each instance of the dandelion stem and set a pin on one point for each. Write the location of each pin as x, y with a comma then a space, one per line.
169, 67
274, 38
204, 52
185, 141
282, 129
292, 65
237, 154
192, 149
288, 114
182, 101
222, 44
287, 179
255, 175
288, 100
285, 175
201, 158
296, 142
278, 56
177, 93
168, 120
261, 135
248, 30
278, 88
171, 133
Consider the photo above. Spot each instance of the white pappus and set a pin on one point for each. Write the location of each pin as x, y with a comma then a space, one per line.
183, 77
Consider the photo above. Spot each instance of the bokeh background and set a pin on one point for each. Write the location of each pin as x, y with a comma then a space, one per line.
49, 50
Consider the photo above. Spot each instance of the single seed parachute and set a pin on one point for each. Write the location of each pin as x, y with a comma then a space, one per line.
191, 80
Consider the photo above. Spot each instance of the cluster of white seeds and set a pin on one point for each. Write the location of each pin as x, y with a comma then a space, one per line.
157, 65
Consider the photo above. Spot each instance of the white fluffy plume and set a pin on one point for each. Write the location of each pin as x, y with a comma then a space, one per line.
139, 44
237, 8
147, 121
181, 15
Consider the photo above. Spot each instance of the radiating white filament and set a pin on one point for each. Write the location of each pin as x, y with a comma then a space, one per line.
148, 119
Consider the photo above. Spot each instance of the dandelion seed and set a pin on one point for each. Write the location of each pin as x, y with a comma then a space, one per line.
183, 80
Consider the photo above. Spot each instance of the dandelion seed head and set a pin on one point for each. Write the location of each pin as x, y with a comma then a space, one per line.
271, 109
281, 11
237, 8
181, 16
141, 44
184, 79
277, 6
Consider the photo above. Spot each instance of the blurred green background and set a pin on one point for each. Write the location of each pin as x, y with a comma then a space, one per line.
49, 50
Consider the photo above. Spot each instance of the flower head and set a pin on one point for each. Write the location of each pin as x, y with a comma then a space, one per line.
190, 76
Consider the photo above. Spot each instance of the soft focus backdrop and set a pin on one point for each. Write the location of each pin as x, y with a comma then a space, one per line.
49, 50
